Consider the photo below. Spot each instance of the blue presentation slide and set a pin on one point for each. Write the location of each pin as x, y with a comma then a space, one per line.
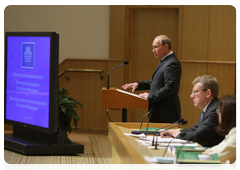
27, 80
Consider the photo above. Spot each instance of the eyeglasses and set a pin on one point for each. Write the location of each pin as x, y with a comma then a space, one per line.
218, 111
195, 91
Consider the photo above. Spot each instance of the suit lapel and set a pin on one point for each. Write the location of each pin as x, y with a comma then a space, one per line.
209, 106
159, 65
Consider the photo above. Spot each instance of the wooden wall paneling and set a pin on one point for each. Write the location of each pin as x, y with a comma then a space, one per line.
92, 97
8, 127
86, 87
222, 33
129, 42
180, 31
117, 32
195, 32
117, 50
189, 72
226, 76
194, 47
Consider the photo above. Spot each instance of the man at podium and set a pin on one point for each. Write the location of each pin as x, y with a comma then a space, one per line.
164, 84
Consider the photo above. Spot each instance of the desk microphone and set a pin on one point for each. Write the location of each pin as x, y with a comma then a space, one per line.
167, 147
182, 134
179, 121
182, 123
158, 133
179, 150
153, 139
150, 111
150, 114
156, 141
124, 63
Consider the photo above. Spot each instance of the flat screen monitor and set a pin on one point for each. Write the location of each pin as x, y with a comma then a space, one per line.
31, 80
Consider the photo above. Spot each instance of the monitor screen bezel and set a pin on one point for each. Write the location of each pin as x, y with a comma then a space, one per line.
53, 82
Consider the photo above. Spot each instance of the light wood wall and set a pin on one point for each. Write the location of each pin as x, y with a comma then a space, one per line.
86, 87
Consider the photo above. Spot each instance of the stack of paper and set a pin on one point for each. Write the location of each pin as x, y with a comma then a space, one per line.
157, 159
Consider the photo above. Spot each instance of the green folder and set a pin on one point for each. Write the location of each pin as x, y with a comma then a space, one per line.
191, 148
197, 159
153, 129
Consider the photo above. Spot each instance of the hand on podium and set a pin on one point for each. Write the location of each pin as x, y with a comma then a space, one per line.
144, 95
130, 85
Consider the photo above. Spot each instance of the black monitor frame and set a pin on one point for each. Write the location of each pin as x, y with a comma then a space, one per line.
53, 85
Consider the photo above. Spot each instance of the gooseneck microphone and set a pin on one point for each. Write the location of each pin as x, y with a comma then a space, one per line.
124, 63
181, 134
177, 122
150, 114
182, 123
167, 147
150, 111
159, 131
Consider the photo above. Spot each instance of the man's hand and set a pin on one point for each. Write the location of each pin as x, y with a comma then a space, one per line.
170, 133
144, 95
130, 85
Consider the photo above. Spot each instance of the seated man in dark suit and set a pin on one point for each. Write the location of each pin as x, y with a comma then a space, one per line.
204, 95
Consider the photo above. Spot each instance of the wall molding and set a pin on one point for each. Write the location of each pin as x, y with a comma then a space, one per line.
208, 62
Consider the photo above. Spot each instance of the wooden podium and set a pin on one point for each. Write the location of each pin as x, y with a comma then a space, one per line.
114, 98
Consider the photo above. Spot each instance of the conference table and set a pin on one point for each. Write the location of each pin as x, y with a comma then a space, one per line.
127, 149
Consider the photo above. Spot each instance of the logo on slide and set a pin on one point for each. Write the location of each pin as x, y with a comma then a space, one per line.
28, 55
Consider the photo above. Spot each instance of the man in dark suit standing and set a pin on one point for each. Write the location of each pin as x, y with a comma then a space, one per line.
164, 85
205, 97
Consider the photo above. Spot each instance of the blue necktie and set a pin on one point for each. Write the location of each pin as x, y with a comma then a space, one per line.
202, 115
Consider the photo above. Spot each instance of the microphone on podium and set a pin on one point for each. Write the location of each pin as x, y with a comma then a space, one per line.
124, 63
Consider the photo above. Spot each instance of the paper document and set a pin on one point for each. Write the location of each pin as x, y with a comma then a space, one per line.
132, 94
179, 144
164, 140
157, 159
134, 135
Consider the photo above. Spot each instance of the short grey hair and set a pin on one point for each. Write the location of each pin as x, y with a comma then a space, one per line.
165, 40
208, 82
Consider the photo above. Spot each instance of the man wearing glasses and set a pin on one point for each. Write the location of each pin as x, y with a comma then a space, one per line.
205, 97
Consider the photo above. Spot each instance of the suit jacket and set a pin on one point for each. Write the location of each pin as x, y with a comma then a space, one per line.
203, 131
164, 88
226, 150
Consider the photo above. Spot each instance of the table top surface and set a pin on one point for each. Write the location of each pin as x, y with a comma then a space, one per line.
133, 143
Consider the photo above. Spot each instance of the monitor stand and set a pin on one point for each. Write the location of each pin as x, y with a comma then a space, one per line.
30, 142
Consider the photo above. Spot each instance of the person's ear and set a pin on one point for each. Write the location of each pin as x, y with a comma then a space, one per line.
166, 46
209, 93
